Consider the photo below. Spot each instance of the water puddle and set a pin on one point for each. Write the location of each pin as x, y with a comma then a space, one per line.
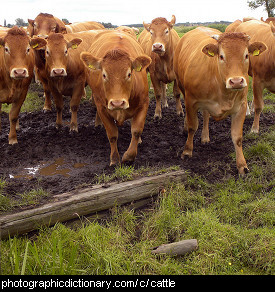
46, 169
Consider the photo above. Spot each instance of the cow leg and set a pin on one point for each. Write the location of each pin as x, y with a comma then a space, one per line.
0, 117
237, 121
158, 94
176, 92
59, 103
112, 134
192, 124
163, 94
74, 105
13, 117
137, 125
205, 129
258, 104
47, 96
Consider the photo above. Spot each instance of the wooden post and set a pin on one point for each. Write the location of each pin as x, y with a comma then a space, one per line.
83, 202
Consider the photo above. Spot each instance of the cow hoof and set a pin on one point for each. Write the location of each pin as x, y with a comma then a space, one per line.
254, 131
46, 110
74, 128
180, 114
13, 142
243, 171
186, 153
157, 117
58, 127
205, 141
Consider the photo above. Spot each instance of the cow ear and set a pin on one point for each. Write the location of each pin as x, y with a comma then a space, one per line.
173, 21
272, 27
90, 61
210, 50
37, 43
2, 42
31, 22
141, 62
63, 30
74, 43
256, 48
146, 26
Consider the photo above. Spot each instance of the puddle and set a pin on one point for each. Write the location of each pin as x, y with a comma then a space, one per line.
55, 168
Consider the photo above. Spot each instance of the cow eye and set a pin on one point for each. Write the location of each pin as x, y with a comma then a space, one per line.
221, 57
104, 76
66, 52
246, 56
129, 75
53, 29
47, 53
7, 50
28, 50
166, 31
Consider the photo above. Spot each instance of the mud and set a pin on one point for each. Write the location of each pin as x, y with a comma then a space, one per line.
59, 161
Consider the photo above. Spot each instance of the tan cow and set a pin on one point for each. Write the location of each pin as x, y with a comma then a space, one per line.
262, 68
118, 79
66, 73
83, 26
16, 72
213, 76
132, 31
268, 20
159, 41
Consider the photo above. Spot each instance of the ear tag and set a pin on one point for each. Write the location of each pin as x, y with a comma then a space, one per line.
138, 69
256, 53
74, 46
35, 46
92, 67
211, 54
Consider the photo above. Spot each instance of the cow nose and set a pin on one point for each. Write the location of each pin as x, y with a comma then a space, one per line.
56, 72
19, 73
158, 47
118, 104
237, 83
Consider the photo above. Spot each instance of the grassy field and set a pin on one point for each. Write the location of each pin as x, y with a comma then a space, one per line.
233, 221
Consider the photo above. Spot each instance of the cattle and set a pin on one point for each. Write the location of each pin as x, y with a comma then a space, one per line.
16, 64
83, 26
117, 76
268, 20
159, 41
132, 31
262, 67
212, 73
65, 71
44, 24
232, 26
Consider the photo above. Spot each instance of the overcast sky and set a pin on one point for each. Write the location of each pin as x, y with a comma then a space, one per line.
120, 12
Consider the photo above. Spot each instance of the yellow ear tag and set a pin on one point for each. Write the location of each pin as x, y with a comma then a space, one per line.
92, 67
74, 46
138, 69
211, 54
256, 53
35, 46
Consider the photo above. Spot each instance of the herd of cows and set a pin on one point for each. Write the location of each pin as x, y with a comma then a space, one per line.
211, 69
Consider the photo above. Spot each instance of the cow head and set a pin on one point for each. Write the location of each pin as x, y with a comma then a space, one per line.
116, 69
160, 33
232, 52
44, 24
17, 53
56, 53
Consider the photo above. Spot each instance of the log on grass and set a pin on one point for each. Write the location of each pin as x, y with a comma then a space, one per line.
79, 203
177, 248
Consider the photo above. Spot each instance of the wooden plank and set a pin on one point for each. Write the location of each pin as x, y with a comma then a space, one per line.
71, 205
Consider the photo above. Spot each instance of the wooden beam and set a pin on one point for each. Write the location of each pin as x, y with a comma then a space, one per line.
79, 203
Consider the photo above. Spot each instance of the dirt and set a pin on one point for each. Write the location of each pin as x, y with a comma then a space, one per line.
59, 161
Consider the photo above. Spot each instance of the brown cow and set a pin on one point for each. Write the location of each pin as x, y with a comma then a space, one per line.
213, 76
262, 68
159, 41
118, 79
43, 25
83, 26
66, 73
132, 31
16, 64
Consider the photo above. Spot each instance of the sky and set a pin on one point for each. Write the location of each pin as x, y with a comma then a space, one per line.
121, 12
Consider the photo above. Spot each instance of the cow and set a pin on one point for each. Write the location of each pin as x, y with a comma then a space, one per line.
132, 31
16, 72
159, 41
212, 73
42, 26
83, 26
117, 76
268, 20
232, 26
65, 71
262, 67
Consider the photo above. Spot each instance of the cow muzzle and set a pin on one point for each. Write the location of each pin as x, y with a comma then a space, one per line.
58, 72
158, 48
236, 83
19, 73
118, 104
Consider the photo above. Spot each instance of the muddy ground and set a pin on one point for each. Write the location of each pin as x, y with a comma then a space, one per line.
59, 161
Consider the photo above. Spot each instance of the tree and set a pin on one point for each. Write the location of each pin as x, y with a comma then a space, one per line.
268, 4
20, 22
